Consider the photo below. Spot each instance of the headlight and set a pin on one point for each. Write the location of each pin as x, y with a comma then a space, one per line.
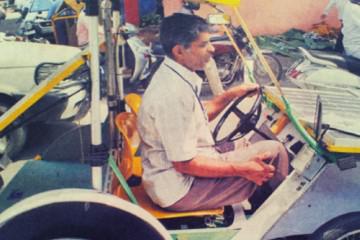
28, 25
44, 70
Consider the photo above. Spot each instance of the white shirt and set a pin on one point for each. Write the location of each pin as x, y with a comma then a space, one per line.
351, 29
173, 127
339, 4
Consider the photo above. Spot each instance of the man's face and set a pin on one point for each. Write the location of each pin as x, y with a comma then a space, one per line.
198, 53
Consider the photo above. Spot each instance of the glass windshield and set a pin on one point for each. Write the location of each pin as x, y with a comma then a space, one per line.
40, 5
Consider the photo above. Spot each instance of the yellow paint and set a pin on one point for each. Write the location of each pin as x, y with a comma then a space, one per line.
75, 5
29, 100
342, 149
225, 2
280, 124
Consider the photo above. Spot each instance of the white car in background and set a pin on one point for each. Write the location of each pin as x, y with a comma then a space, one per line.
22, 66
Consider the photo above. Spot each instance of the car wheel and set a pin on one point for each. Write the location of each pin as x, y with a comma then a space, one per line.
14, 141
342, 228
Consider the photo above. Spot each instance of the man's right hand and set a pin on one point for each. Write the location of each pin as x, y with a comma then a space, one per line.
257, 170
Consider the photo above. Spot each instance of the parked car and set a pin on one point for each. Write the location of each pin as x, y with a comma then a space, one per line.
36, 21
22, 66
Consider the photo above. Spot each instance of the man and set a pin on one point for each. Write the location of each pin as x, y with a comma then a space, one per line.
183, 171
351, 28
211, 70
340, 5
82, 30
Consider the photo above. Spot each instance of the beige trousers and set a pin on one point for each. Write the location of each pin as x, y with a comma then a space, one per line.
210, 193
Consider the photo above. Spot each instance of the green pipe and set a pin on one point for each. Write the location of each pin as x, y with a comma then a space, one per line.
122, 180
311, 141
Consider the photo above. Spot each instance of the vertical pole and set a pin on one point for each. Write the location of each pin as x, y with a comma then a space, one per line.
92, 12
116, 14
112, 96
213, 77
119, 53
257, 51
249, 70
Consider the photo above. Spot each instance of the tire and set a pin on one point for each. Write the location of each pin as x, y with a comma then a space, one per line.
229, 68
13, 142
346, 227
78, 214
261, 75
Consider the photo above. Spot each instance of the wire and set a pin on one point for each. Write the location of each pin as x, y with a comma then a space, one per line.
345, 132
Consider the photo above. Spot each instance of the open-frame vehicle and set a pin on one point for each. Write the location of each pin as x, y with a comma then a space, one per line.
318, 200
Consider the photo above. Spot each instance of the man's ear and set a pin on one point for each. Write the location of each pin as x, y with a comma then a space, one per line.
177, 51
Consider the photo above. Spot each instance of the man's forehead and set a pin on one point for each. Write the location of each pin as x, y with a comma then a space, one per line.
203, 37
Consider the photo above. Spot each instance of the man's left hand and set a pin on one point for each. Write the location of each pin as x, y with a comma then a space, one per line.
246, 88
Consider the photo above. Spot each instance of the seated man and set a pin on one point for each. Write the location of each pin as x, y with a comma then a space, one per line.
351, 28
339, 5
183, 171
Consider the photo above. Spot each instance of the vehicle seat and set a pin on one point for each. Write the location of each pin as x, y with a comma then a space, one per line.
130, 167
324, 58
353, 64
333, 59
133, 101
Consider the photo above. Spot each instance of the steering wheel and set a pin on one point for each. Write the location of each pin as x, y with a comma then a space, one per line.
247, 121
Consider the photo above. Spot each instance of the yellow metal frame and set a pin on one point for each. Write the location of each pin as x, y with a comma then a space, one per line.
221, 2
225, 2
342, 149
74, 5
43, 88
55, 18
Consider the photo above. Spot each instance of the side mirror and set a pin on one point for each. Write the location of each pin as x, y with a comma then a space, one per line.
219, 18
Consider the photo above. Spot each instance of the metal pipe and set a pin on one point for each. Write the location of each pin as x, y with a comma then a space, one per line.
92, 13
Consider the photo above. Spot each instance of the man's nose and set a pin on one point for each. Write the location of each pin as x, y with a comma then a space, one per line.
211, 48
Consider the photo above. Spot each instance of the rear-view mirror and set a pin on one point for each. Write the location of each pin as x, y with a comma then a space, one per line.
218, 19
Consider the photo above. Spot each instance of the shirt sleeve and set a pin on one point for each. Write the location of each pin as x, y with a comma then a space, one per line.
355, 14
329, 6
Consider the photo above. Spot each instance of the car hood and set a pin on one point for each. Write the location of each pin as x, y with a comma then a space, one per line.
28, 54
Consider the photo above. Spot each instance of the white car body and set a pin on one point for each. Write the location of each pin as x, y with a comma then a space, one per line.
17, 70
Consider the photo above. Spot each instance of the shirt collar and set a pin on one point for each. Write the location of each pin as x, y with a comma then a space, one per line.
189, 75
